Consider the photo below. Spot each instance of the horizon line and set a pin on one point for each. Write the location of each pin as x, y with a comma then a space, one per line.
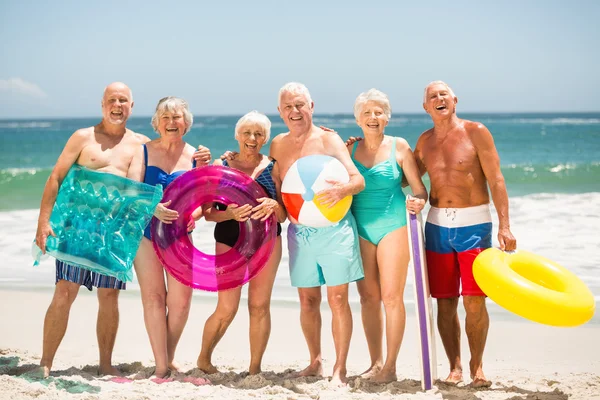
317, 114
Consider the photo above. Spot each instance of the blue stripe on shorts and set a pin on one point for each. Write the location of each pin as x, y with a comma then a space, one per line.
86, 278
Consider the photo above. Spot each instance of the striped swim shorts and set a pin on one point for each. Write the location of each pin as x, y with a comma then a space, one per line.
86, 278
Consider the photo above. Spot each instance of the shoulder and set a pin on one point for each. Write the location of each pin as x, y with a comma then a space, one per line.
139, 137
330, 137
474, 127
424, 137
476, 130
83, 133
401, 143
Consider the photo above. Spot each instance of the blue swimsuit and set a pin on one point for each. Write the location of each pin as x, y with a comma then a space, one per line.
156, 176
227, 232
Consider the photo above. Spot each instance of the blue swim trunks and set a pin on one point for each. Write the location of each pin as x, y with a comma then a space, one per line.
324, 256
86, 278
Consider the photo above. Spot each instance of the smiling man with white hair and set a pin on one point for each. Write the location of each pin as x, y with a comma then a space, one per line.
311, 263
462, 162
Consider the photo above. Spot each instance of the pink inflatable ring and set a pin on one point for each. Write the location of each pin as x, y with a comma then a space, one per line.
208, 272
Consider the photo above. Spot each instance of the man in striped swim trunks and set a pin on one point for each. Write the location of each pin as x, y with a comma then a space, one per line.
462, 162
109, 147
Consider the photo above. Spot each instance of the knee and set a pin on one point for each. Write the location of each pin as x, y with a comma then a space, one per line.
154, 300
393, 300
258, 309
370, 299
108, 298
226, 313
337, 301
64, 296
447, 308
310, 303
180, 306
474, 305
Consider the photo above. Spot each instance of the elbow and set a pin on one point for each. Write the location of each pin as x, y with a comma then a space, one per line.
360, 186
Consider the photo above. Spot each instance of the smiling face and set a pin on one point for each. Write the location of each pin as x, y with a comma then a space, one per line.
439, 101
372, 118
172, 124
116, 104
296, 111
251, 138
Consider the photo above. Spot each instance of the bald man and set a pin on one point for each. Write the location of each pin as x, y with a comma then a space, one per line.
109, 147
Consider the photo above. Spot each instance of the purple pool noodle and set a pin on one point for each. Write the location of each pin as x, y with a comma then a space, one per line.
418, 271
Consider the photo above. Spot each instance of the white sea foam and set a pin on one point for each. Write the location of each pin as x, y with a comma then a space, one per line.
25, 124
561, 227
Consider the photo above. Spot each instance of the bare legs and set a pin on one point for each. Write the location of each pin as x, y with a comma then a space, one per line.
106, 328
259, 304
477, 325
341, 326
57, 318
165, 312
386, 267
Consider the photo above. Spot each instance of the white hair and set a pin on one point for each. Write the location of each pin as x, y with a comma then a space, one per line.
295, 88
373, 95
437, 83
173, 104
254, 118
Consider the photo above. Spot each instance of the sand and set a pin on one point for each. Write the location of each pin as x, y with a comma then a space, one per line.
523, 359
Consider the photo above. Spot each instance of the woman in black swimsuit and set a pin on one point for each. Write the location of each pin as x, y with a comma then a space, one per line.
252, 132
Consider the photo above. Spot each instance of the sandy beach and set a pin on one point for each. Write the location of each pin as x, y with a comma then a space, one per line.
523, 359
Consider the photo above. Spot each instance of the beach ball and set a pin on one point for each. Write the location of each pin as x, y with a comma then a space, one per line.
308, 176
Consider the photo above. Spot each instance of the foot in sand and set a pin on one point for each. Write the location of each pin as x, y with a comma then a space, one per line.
384, 376
339, 378
174, 366
206, 367
479, 380
254, 370
372, 371
161, 374
196, 381
314, 369
41, 372
455, 377
108, 370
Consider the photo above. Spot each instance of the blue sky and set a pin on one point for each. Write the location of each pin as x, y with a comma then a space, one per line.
229, 57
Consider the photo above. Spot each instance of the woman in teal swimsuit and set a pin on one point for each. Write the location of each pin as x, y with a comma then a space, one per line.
160, 162
380, 212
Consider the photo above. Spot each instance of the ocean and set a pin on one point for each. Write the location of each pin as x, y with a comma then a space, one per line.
551, 163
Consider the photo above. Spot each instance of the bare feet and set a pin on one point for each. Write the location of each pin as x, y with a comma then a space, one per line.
479, 380
384, 376
339, 377
254, 370
108, 370
455, 376
372, 371
314, 369
206, 367
162, 373
41, 372
174, 366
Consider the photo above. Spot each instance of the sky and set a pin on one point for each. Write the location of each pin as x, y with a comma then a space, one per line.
230, 57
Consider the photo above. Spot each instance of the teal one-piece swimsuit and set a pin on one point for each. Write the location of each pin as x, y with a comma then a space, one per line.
381, 207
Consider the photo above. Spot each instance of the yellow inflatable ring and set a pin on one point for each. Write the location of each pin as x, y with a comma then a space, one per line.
534, 287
